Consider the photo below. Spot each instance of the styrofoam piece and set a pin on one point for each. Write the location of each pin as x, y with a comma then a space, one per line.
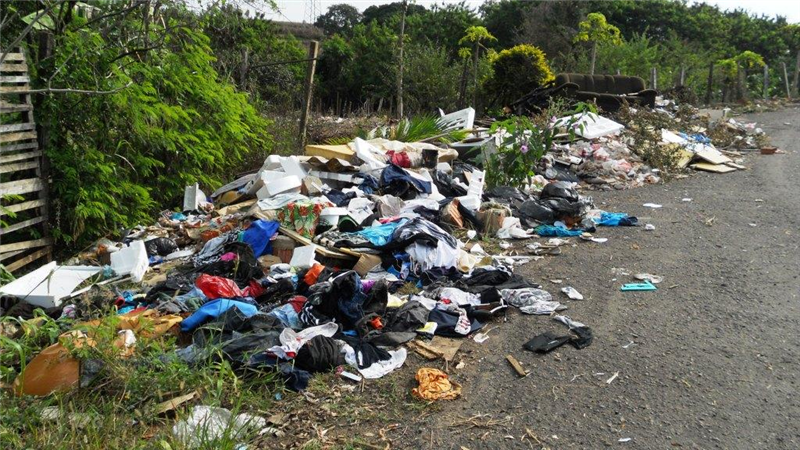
303, 257
471, 202
131, 260
264, 177
273, 162
192, 197
476, 183
291, 183
291, 165
47, 285
459, 120
330, 216
594, 126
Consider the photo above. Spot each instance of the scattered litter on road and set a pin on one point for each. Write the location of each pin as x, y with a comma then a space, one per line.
572, 293
655, 279
646, 286
652, 205
613, 377
649, 227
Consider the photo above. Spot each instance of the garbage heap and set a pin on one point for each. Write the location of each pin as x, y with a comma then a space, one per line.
312, 263
338, 258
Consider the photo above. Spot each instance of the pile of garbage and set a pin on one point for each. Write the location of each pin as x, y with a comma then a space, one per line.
346, 257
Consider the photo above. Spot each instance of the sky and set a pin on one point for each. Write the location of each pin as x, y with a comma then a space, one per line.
295, 10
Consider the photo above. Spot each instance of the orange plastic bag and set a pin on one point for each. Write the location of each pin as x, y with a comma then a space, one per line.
435, 385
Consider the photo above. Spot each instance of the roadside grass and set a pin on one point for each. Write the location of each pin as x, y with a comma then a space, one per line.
116, 407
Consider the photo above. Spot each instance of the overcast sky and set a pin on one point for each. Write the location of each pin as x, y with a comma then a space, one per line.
295, 10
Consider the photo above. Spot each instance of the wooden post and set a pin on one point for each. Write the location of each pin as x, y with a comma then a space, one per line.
400, 40
653, 78
786, 80
313, 50
683, 76
765, 94
796, 86
710, 83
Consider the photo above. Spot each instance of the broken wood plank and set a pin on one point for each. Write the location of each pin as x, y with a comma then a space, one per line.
448, 347
10, 168
16, 147
13, 57
21, 225
716, 168
422, 351
20, 157
13, 67
15, 79
14, 137
173, 403
517, 366
4, 256
25, 244
7, 128
25, 186
24, 206
341, 253
22, 262
6, 108
14, 89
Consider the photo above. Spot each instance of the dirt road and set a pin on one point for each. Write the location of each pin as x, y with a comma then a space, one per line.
714, 360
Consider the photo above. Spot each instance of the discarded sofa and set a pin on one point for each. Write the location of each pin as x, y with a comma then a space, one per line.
608, 91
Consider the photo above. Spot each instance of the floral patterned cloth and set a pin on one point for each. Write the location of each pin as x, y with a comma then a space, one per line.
302, 217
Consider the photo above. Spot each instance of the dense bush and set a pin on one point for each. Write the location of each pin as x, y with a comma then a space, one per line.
169, 121
517, 71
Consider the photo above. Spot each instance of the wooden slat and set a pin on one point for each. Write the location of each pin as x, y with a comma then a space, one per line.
24, 206
6, 108
21, 186
16, 167
21, 67
26, 244
22, 262
15, 79
14, 137
20, 157
14, 89
13, 57
15, 147
4, 256
21, 225
8, 128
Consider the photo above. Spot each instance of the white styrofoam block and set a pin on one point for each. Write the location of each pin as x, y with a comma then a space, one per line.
262, 178
272, 162
594, 126
303, 257
476, 183
291, 165
131, 260
47, 285
471, 202
291, 183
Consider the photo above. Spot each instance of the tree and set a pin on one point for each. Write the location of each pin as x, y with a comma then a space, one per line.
503, 19
474, 36
596, 30
551, 26
383, 14
340, 19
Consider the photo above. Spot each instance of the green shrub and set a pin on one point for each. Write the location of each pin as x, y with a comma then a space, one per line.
517, 71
